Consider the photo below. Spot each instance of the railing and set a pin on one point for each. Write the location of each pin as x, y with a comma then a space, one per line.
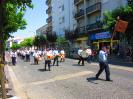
79, 14
49, 10
48, 2
93, 26
49, 19
49, 28
77, 1
82, 30
93, 8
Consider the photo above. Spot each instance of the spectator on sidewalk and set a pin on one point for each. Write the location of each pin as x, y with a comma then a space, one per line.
103, 63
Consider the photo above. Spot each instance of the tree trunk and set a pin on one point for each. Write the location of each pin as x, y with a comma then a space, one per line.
2, 49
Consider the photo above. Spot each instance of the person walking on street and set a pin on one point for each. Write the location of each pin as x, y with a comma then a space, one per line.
62, 55
56, 56
47, 57
89, 52
79, 53
14, 57
103, 63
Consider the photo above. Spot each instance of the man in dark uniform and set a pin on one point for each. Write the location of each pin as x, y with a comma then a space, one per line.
103, 63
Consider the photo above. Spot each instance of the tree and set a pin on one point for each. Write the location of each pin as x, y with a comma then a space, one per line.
61, 41
15, 46
125, 13
11, 19
28, 42
39, 41
51, 38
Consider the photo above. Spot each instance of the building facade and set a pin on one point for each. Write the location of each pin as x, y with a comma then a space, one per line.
60, 16
42, 30
16, 40
89, 14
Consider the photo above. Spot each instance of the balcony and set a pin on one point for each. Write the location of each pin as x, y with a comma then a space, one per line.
79, 14
77, 1
81, 30
48, 2
94, 26
49, 19
93, 8
49, 28
49, 10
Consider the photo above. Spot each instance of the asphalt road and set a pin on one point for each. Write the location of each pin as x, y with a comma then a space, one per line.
70, 81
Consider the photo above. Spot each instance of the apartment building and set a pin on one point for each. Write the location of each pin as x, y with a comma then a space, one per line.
42, 30
49, 19
60, 16
89, 14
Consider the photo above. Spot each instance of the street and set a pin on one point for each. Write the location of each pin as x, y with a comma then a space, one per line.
70, 81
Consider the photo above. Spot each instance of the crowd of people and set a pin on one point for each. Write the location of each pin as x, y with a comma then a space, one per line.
49, 56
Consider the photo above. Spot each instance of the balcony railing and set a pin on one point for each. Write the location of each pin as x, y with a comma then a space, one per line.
82, 30
93, 8
77, 1
48, 2
79, 14
49, 19
93, 26
49, 10
49, 28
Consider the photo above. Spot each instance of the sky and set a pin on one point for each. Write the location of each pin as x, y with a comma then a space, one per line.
35, 18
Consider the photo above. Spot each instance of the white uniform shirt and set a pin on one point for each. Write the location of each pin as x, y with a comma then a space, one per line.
79, 52
102, 56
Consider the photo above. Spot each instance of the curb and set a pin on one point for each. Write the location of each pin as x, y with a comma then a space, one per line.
17, 86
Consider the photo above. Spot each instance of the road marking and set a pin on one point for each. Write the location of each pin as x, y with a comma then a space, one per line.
62, 77
20, 93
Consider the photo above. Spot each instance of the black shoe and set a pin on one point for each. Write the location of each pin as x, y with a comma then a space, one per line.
97, 78
109, 80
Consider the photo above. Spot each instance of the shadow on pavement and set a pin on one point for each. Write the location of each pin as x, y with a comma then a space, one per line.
125, 64
92, 79
76, 65
41, 70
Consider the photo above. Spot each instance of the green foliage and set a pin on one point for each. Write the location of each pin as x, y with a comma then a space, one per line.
61, 41
39, 40
15, 46
125, 13
28, 42
51, 37
12, 15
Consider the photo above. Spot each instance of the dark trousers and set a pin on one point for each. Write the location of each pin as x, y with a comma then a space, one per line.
89, 59
81, 59
47, 62
27, 57
104, 65
56, 60
14, 60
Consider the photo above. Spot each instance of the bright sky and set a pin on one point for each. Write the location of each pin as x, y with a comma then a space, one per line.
35, 18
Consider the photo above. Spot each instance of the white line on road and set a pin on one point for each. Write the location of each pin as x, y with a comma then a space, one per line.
62, 77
